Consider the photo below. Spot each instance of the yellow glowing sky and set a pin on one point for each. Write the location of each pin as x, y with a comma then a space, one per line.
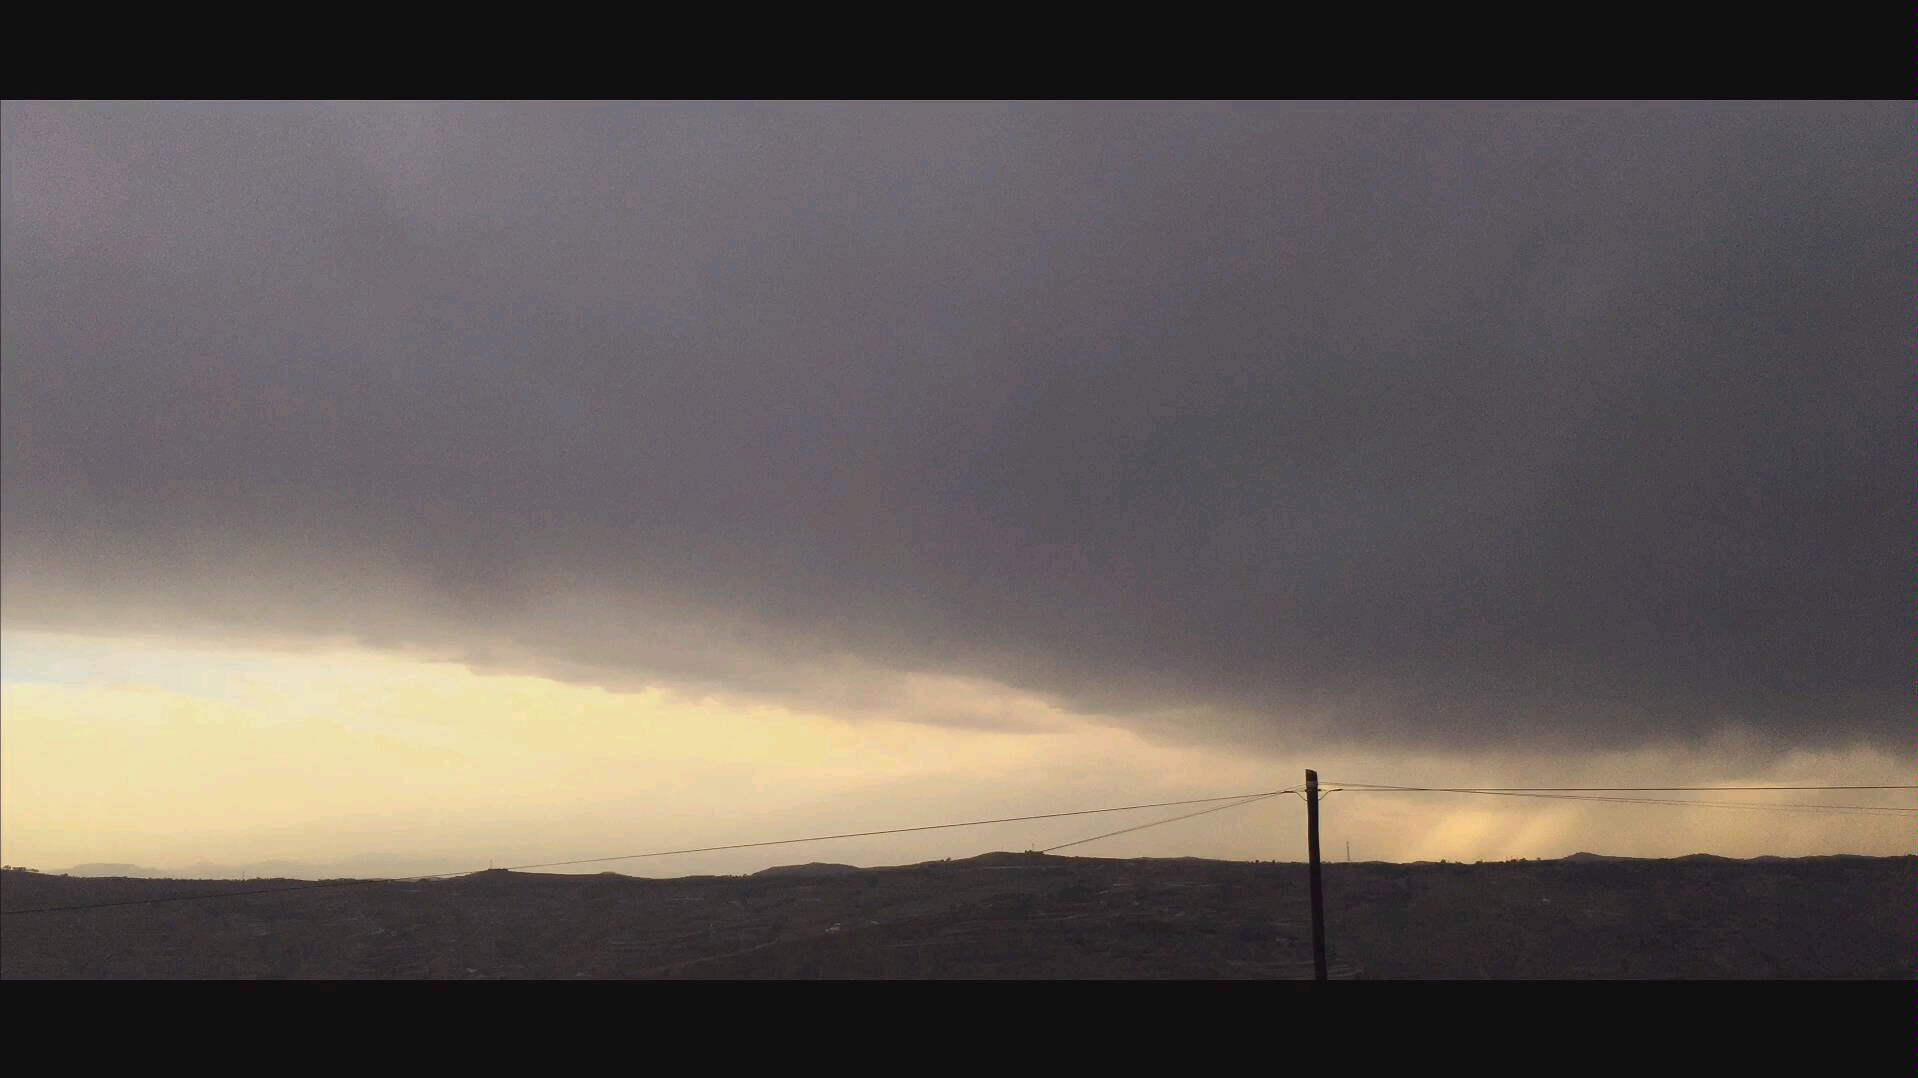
176, 755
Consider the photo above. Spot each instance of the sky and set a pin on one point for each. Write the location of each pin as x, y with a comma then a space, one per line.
411, 486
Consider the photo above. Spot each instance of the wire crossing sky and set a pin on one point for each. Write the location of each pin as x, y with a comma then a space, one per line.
1234, 801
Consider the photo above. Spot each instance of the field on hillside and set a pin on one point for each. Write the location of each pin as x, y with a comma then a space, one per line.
997, 916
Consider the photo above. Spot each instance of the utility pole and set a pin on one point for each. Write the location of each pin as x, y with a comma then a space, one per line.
1318, 884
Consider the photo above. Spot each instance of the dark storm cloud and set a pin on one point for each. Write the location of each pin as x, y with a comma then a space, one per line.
1450, 425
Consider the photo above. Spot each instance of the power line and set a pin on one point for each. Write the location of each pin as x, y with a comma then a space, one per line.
1540, 792
900, 830
1174, 819
1610, 789
1570, 793
335, 885
1854, 810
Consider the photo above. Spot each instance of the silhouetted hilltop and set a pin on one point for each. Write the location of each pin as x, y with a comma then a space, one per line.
1703, 858
1007, 858
815, 868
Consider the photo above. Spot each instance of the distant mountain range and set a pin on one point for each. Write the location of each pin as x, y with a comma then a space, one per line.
1694, 857
383, 868
131, 871
359, 868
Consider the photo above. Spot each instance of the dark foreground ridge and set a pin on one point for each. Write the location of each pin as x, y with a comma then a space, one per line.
1003, 915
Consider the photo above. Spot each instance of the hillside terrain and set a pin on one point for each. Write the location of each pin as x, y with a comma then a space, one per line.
996, 916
